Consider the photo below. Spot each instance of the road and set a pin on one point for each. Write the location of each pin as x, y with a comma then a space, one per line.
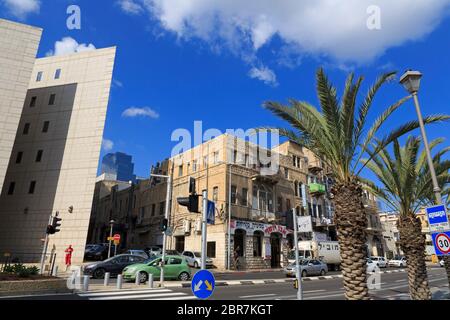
393, 286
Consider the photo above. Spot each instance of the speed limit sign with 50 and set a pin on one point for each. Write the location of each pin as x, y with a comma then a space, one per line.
441, 241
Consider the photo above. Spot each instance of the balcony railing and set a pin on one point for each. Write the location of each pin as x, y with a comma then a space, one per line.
258, 215
316, 188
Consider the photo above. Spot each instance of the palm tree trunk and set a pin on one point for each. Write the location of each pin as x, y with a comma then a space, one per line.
412, 243
447, 267
351, 224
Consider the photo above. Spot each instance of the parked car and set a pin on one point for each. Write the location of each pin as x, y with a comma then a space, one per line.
380, 261
96, 252
141, 253
153, 250
194, 259
398, 262
175, 268
307, 268
113, 265
173, 253
371, 265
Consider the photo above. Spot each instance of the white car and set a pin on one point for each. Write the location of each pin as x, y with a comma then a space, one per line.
398, 262
194, 259
372, 266
381, 261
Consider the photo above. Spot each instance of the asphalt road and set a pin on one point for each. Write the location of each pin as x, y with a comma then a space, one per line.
393, 286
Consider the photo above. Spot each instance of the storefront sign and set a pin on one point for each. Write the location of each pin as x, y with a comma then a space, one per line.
251, 227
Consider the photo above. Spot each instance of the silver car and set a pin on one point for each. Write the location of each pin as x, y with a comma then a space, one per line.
194, 259
307, 268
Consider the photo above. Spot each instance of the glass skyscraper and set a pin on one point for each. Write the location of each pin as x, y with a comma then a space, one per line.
118, 166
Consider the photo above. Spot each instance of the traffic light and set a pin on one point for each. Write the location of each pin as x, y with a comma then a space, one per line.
50, 229
190, 202
164, 224
56, 223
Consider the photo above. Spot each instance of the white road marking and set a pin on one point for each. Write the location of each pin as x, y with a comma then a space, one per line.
258, 296
112, 293
175, 298
140, 296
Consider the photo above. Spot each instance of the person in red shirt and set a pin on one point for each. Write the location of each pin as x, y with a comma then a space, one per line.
68, 252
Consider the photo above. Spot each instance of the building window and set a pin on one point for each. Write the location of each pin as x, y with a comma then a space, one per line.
32, 187
45, 126
26, 128
205, 161
162, 208
33, 102
51, 100
233, 194
194, 165
39, 155
19, 157
246, 160
180, 170
257, 243
255, 198
39, 76
57, 73
296, 188
211, 249
244, 197
153, 209
280, 204
235, 154
216, 157
288, 204
286, 173
215, 194
12, 186
300, 193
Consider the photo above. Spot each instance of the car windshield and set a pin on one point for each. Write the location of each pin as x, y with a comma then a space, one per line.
197, 254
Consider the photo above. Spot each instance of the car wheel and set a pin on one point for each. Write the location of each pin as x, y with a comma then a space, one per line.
99, 273
184, 276
304, 273
322, 272
143, 277
195, 265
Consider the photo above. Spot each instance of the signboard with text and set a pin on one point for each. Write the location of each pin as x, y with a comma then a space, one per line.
441, 242
437, 218
304, 224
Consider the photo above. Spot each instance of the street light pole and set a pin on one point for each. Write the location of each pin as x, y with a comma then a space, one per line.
297, 259
411, 82
204, 226
166, 216
110, 237
229, 220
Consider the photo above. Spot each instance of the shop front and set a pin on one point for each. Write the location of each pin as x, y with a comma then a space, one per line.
260, 246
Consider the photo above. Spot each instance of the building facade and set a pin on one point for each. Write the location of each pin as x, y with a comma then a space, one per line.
55, 155
118, 166
18, 47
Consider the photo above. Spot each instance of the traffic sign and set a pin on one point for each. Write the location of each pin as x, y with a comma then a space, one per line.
116, 237
437, 218
304, 224
203, 284
441, 242
211, 212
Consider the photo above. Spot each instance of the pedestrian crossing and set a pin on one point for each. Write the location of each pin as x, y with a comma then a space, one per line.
142, 294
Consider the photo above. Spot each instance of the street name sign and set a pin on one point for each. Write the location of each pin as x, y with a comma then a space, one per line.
203, 284
441, 242
437, 218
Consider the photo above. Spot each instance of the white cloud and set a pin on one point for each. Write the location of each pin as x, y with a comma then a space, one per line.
107, 144
140, 112
335, 29
130, 6
21, 8
264, 74
69, 45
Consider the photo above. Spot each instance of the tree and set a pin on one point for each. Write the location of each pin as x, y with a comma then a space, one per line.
338, 134
406, 186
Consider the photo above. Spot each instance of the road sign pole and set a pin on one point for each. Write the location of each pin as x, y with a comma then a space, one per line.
110, 240
166, 216
44, 249
297, 260
204, 226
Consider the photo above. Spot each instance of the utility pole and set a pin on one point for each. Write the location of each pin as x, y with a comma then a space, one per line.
229, 220
204, 226
297, 260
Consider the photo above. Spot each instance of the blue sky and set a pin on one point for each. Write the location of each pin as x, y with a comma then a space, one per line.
218, 62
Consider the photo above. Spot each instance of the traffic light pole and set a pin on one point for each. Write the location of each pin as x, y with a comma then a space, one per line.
204, 226
297, 260
44, 250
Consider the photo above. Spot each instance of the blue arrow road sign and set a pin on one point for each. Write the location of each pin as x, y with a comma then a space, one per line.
211, 212
437, 218
203, 284
441, 242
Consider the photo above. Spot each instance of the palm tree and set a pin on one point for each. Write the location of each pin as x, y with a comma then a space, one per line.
337, 134
406, 186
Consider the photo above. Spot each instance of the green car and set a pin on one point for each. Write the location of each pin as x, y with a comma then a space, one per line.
175, 268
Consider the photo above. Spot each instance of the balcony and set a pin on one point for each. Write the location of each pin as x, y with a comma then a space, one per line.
315, 167
262, 216
317, 189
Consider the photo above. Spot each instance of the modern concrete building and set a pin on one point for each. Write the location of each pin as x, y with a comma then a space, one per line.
18, 47
54, 160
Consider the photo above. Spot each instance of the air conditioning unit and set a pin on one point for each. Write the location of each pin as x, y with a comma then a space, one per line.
187, 226
198, 226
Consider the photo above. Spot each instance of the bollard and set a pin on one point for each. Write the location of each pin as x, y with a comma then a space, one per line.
150, 281
138, 280
106, 281
119, 281
85, 283
55, 271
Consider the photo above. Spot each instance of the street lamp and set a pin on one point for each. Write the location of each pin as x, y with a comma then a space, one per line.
111, 223
411, 82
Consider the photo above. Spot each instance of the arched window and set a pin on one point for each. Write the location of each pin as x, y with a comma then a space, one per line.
239, 242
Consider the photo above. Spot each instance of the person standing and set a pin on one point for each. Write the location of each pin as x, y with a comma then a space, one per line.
68, 252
